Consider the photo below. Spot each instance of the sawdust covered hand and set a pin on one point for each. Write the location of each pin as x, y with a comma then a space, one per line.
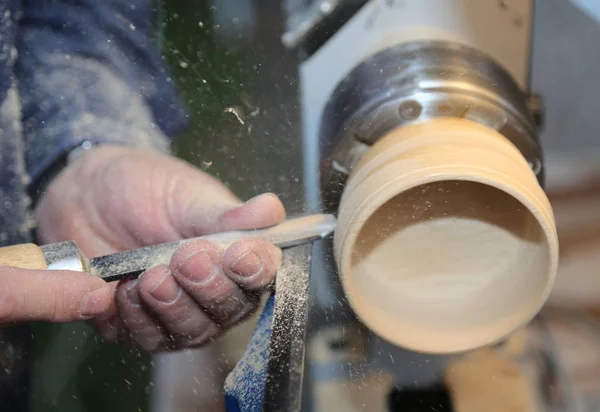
114, 199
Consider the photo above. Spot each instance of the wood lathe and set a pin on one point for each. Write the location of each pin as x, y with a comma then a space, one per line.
369, 70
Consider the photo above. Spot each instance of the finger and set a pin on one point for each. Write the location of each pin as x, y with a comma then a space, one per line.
251, 263
183, 319
108, 326
196, 266
261, 211
212, 214
55, 296
108, 323
139, 328
197, 202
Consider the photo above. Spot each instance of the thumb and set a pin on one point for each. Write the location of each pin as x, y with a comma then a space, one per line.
205, 215
55, 296
261, 211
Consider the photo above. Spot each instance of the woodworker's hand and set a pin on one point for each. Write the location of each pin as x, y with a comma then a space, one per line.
113, 199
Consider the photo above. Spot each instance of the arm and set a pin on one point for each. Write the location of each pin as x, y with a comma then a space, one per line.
88, 71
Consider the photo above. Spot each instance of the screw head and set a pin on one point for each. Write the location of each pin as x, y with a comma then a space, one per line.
410, 110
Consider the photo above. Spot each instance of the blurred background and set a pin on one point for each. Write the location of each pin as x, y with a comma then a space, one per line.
241, 88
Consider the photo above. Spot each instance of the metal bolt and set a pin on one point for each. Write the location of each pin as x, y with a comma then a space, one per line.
410, 110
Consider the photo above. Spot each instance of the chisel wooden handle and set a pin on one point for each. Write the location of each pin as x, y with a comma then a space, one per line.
68, 256
26, 256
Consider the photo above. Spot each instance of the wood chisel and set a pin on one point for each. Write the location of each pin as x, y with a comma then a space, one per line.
131, 263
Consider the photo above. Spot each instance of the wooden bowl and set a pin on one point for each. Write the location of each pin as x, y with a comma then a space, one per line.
445, 240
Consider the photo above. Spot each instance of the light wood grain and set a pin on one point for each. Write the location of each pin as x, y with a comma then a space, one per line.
445, 241
27, 256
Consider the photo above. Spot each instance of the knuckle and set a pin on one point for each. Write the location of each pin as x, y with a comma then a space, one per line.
242, 246
193, 247
237, 249
144, 336
191, 328
141, 331
123, 302
239, 315
148, 347
178, 315
214, 292
152, 277
150, 343
199, 339
179, 319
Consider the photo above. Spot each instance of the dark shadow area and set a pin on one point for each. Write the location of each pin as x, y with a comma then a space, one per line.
420, 400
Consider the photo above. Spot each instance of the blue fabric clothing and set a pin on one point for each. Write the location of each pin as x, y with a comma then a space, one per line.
74, 71
245, 385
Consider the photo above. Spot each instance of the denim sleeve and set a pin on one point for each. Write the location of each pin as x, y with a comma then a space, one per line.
88, 71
